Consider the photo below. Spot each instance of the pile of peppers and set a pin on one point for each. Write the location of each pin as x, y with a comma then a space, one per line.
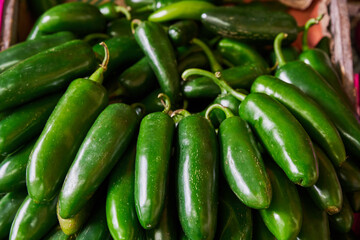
171, 119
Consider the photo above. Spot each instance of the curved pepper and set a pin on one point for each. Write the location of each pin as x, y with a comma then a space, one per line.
63, 134
182, 32
113, 11
342, 221
261, 232
349, 176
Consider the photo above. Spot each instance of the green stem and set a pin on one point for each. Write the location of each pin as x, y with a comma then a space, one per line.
179, 114
309, 23
148, 8
134, 24
98, 75
227, 111
165, 101
216, 78
214, 64
277, 48
90, 37
124, 10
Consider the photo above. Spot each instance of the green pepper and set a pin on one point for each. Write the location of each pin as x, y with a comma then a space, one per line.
120, 205
103, 145
119, 27
157, 47
260, 230
9, 205
279, 131
23, 50
182, 32
197, 177
307, 112
240, 53
96, 228
354, 199
290, 53
152, 103
235, 219
342, 221
25, 123
326, 192
124, 51
152, 164
13, 169
324, 45
195, 60
138, 4
38, 7
79, 18
255, 25
191, 10
46, 72
315, 224
349, 176
58, 234
113, 11
284, 215
33, 220
63, 134
311, 83
241, 161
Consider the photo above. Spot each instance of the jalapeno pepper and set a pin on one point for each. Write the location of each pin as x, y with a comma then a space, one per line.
197, 177
324, 44
46, 72
195, 60
103, 145
342, 221
113, 11
119, 28
354, 200
182, 32
260, 231
310, 82
38, 7
152, 103
23, 50
349, 176
157, 47
241, 161
63, 134
58, 234
279, 131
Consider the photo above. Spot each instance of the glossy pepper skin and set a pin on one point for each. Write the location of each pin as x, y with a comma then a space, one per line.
191, 10
44, 73
13, 169
197, 177
153, 154
62, 136
260, 230
240, 53
235, 219
25, 123
77, 17
113, 11
182, 32
33, 220
120, 205
349, 176
119, 27
102, 147
58, 234
283, 136
315, 224
342, 221
157, 47
326, 193
197, 60
314, 120
23, 50
284, 215
9, 205
152, 103
242, 163
255, 25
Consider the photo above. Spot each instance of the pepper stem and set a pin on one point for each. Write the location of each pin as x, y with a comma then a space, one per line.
227, 111
98, 75
179, 114
134, 24
124, 10
216, 78
165, 101
93, 36
308, 24
277, 48
214, 64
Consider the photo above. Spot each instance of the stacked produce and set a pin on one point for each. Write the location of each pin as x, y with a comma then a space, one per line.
201, 122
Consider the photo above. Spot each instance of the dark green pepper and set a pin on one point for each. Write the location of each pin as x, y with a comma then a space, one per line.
38, 7
195, 60
315, 224
120, 205
260, 230
354, 200
77, 17
152, 164
342, 221
182, 32
9, 205
324, 44
241, 161
113, 11
119, 28
25, 123
13, 169
284, 216
349, 176
290, 53
326, 192
152, 103
58, 234
311, 83
33, 220
23, 50
307, 112
157, 47
63, 134
235, 219
197, 177
46, 72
